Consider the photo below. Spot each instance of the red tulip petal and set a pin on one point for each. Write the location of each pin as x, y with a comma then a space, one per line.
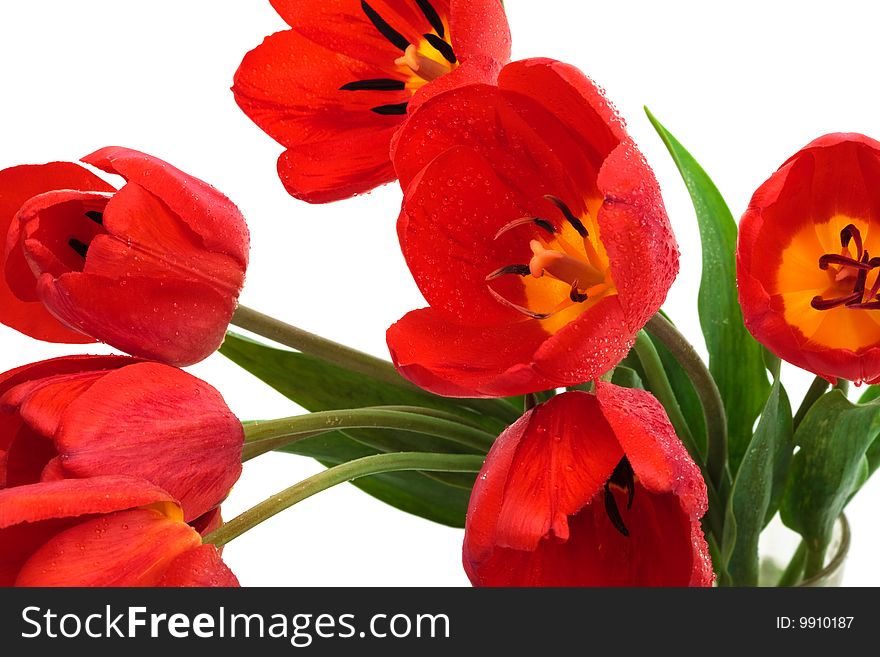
208, 213
47, 223
343, 27
451, 214
17, 185
657, 552
144, 239
199, 567
339, 168
643, 269
41, 402
478, 69
76, 497
575, 99
657, 456
192, 438
176, 321
465, 361
126, 548
564, 456
61, 366
54, 471
30, 515
479, 28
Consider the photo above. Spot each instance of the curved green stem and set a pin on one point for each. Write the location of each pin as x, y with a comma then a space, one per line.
710, 398
350, 359
660, 386
817, 389
662, 389
363, 467
264, 436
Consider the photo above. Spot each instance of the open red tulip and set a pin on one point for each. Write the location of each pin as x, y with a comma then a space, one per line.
153, 269
808, 259
588, 490
535, 230
334, 88
83, 416
102, 531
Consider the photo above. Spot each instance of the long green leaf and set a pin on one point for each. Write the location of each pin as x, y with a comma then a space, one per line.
735, 358
318, 386
758, 487
833, 439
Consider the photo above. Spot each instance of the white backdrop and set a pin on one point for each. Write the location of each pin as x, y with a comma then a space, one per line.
742, 88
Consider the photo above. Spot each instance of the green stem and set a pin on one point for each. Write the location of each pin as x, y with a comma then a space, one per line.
264, 436
817, 389
710, 398
794, 571
363, 467
350, 359
662, 389
815, 561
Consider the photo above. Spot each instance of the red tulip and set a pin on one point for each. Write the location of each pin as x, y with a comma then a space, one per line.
534, 229
334, 88
588, 490
154, 269
808, 284
85, 416
102, 531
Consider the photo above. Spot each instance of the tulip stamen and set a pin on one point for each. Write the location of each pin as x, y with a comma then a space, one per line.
862, 263
623, 479
80, 247
395, 37
442, 47
519, 270
576, 223
390, 110
433, 17
376, 84
97, 217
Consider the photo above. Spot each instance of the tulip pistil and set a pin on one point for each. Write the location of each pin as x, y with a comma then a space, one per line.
564, 253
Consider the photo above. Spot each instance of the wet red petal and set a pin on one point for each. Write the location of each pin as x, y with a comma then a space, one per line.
17, 185
158, 423
644, 268
126, 548
176, 321
207, 212
201, 566
28, 454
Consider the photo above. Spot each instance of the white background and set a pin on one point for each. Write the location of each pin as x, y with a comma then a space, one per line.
742, 88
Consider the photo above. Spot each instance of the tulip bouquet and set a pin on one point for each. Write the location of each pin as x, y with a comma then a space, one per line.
542, 399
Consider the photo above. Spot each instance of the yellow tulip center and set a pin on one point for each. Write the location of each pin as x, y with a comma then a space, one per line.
567, 273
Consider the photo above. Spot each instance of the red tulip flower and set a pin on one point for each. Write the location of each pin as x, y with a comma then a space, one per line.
102, 531
588, 490
84, 416
807, 260
534, 229
334, 88
153, 269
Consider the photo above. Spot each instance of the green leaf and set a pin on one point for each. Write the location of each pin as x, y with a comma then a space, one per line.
626, 377
735, 358
758, 488
833, 439
319, 386
870, 394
